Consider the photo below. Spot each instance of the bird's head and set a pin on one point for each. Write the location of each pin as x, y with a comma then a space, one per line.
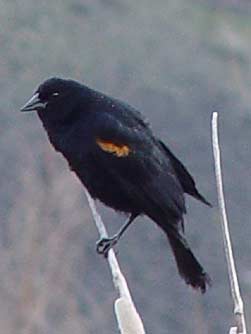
55, 98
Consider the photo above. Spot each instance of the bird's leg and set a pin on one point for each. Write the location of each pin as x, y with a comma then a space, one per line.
105, 244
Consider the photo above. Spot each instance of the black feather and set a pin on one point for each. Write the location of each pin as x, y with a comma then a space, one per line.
116, 156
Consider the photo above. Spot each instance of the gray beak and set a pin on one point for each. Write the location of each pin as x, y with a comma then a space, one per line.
33, 104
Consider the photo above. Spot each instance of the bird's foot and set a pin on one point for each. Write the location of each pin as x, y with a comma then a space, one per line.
103, 245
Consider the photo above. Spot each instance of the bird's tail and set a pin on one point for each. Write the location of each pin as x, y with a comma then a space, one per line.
188, 266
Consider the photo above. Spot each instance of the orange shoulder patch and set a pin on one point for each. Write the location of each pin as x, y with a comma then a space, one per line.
116, 149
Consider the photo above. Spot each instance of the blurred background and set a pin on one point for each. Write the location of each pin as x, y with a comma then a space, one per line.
176, 61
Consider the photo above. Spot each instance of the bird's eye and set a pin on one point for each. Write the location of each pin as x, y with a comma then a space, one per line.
55, 94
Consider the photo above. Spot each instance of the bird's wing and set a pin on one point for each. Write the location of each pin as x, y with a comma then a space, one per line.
128, 150
185, 178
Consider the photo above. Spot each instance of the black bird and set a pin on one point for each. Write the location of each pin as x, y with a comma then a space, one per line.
116, 156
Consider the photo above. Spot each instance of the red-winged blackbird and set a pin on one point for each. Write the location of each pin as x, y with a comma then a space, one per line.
117, 157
